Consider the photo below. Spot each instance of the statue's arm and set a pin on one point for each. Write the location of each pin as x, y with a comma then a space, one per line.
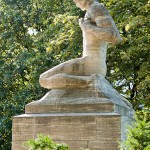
103, 33
103, 27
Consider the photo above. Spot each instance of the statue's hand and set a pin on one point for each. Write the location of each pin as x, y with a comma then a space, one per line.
84, 24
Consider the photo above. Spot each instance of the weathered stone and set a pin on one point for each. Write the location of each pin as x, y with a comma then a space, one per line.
67, 108
87, 130
99, 97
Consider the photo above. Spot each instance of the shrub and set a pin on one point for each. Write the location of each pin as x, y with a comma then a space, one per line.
44, 143
138, 137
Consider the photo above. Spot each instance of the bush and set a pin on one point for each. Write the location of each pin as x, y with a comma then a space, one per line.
44, 143
138, 137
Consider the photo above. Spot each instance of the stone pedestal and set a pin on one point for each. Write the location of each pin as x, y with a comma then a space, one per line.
93, 126
96, 131
93, 118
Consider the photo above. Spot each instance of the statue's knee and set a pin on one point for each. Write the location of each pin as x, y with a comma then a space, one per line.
42, 79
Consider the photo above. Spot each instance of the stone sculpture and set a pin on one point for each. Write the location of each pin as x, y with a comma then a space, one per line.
82, 80
98, 30
81, 109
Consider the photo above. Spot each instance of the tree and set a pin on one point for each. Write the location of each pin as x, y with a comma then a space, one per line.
26, 33
37, 35
128, 63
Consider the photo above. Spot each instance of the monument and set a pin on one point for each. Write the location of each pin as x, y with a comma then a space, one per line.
81, 109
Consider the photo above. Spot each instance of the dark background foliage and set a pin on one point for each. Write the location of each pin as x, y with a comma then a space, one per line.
37, 35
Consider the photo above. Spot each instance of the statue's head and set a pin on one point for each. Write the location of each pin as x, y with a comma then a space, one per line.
82, 4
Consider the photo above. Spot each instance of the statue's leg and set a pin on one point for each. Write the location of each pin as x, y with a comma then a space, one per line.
72, 67
66, 81
73, 73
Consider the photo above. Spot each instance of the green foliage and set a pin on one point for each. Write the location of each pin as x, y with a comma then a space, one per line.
138, 137
128, 63
44, 143
37, 35
27, 29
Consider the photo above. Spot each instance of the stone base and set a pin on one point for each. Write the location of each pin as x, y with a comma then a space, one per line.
95, 131
93, 118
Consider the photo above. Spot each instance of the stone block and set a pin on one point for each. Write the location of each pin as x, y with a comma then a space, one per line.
66, 108
96, 131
